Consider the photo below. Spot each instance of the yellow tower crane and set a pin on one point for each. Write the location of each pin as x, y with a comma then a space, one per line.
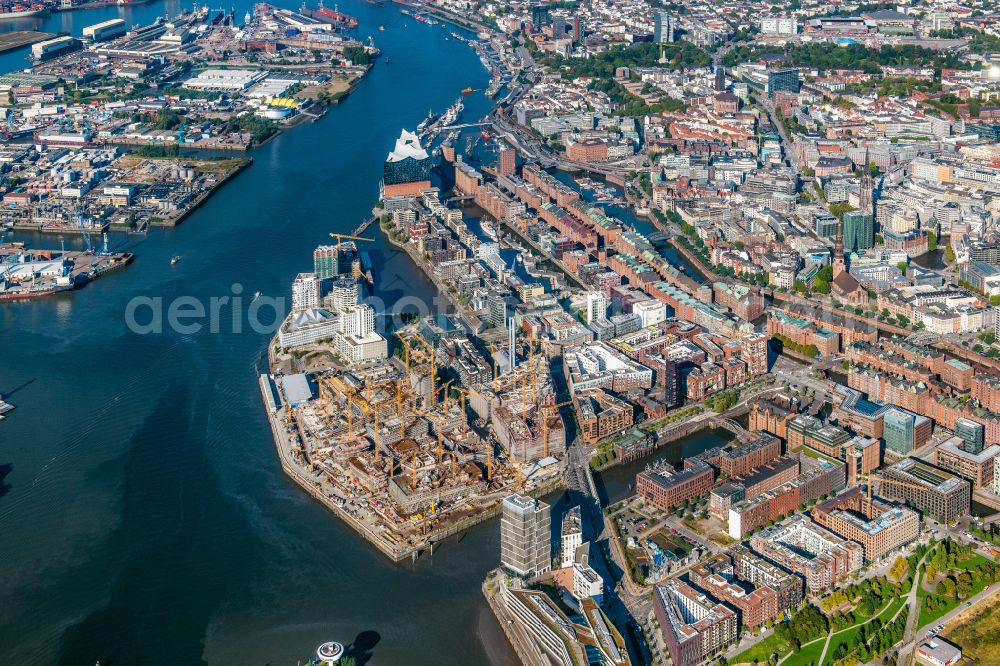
433, 371
445, 392
341, 237
881, 479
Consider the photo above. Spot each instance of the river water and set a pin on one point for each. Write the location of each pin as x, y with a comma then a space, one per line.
143, 516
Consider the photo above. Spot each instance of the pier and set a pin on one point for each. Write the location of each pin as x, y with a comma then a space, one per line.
19, 38
363, 227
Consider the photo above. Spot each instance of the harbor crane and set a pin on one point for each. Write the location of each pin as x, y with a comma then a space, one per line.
341, 237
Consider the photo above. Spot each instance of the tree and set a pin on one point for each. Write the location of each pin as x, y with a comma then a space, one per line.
899, 568
902, 266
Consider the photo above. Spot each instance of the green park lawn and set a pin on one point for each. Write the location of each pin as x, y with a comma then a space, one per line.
972, 565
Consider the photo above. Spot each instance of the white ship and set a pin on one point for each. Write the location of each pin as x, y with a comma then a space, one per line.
490, 228
453, 113
4, 408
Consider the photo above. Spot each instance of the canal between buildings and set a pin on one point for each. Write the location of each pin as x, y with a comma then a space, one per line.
143, 516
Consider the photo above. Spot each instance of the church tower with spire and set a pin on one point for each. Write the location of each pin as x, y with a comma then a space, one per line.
867, 187
839, 265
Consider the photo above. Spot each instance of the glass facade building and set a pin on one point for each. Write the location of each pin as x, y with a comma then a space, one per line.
859, 231
897, 430
782, 80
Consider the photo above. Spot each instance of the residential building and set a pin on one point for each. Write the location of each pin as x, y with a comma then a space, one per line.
665, 487
525, 542
694, 627
818, 555
880, 528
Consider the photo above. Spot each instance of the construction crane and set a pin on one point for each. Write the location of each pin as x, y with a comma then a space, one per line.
341, 237
433, 351
881, 479
438, 426
462, 392
444, 391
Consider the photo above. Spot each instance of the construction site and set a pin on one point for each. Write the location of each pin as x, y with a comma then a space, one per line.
414, 449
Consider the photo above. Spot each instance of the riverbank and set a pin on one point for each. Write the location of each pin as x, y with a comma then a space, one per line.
445, 15
419, 262
199, 200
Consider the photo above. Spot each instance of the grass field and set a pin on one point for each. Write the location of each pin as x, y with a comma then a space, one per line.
807, 656
979, 636
761, 651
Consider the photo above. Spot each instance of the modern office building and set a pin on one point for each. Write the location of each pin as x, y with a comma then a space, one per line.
859, 231
571, 537
958, 456
904, 431
782, 80
935, 492
597, 306
496, 309
971, 433
587, 583
665, 488
525, 540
